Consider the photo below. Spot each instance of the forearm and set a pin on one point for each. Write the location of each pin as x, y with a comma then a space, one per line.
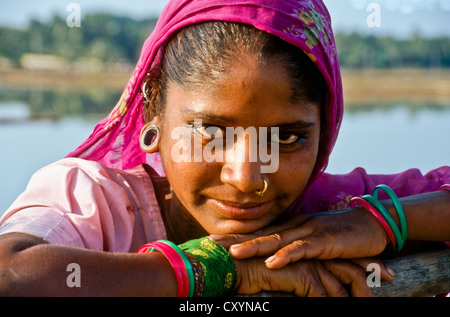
30, 268
427, 215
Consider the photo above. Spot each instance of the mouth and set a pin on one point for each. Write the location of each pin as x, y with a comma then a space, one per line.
240, 211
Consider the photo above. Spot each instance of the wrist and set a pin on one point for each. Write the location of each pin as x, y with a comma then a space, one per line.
375, 223
397, 231
201, 267
219, 268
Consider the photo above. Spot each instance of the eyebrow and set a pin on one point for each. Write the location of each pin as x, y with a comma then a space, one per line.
295, 125
299, 124
211, 117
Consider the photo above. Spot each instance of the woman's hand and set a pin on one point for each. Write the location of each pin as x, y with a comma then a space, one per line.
309, 278
352, 233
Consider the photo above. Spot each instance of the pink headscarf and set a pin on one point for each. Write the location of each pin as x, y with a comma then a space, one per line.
303, 23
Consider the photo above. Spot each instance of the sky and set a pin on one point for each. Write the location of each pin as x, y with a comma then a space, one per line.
399, 18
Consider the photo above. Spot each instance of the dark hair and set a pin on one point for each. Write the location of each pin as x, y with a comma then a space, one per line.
200, 54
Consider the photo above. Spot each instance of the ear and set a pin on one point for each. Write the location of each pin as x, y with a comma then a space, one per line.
149, 136
155, 120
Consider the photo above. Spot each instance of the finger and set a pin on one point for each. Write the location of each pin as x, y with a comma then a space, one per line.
265, 241
372, 264
352, 275
312, 286
268, 244
333, 287
315, 289
257, 247
230, 239
308, 248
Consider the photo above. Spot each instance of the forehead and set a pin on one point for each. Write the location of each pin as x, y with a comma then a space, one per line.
250, 93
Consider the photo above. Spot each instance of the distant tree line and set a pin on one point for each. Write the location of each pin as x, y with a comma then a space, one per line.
368, 51
104, 36
112, 39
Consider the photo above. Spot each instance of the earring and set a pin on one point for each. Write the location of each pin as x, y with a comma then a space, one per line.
144, 94
147, 138
262, 191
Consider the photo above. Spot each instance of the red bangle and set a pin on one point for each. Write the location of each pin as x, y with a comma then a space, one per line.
377, 215
445, 187
175, 261
182, 268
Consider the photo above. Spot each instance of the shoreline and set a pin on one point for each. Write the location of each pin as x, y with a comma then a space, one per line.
361, 87
371, 86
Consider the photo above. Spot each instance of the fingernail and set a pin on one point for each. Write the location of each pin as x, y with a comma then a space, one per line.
216, 237
270, 259
390, 271
235, 246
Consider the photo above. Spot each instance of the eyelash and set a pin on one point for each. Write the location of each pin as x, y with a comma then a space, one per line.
300, 137
194, 128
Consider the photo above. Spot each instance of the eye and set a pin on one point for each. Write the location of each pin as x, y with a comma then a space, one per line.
208, 131
287, 138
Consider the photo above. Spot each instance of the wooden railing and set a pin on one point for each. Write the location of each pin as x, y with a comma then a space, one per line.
421, 275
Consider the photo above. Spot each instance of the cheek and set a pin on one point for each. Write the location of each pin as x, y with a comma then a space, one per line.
293, 175
296, 169
186, 176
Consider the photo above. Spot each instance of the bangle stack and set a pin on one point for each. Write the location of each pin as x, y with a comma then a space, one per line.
373, 205
179, 262
218, 266
202, 267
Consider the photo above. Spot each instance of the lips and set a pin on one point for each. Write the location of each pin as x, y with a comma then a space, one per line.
240, 211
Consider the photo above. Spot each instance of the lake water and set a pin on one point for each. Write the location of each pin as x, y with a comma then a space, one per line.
382, 140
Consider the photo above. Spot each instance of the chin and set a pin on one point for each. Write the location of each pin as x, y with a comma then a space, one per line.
232, 226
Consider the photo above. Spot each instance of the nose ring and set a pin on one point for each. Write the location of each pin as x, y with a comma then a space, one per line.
262, 191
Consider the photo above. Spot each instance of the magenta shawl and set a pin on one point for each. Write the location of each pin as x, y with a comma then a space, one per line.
306, 24
303, 23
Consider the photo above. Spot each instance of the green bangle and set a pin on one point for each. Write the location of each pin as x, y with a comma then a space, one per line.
398, 207
388, 218
186, 262
217, 264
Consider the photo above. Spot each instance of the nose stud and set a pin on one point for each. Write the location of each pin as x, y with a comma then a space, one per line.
262, 191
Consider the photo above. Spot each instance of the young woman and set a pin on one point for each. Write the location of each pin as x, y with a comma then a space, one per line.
224, 129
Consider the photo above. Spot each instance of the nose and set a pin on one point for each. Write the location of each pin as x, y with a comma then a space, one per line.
242, 167
245, 176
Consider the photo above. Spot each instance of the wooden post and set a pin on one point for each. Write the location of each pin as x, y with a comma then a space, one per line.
421, 275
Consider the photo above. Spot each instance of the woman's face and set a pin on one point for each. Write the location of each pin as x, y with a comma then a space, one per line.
219, 190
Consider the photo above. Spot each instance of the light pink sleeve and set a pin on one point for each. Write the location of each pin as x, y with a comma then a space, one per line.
81, 204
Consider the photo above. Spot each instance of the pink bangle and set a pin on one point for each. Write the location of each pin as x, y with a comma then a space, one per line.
445, 187
179, 265
175, 261
377, 215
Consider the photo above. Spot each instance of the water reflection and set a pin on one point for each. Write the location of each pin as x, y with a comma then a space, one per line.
38, 127
19, 104
392, 140
41, 126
